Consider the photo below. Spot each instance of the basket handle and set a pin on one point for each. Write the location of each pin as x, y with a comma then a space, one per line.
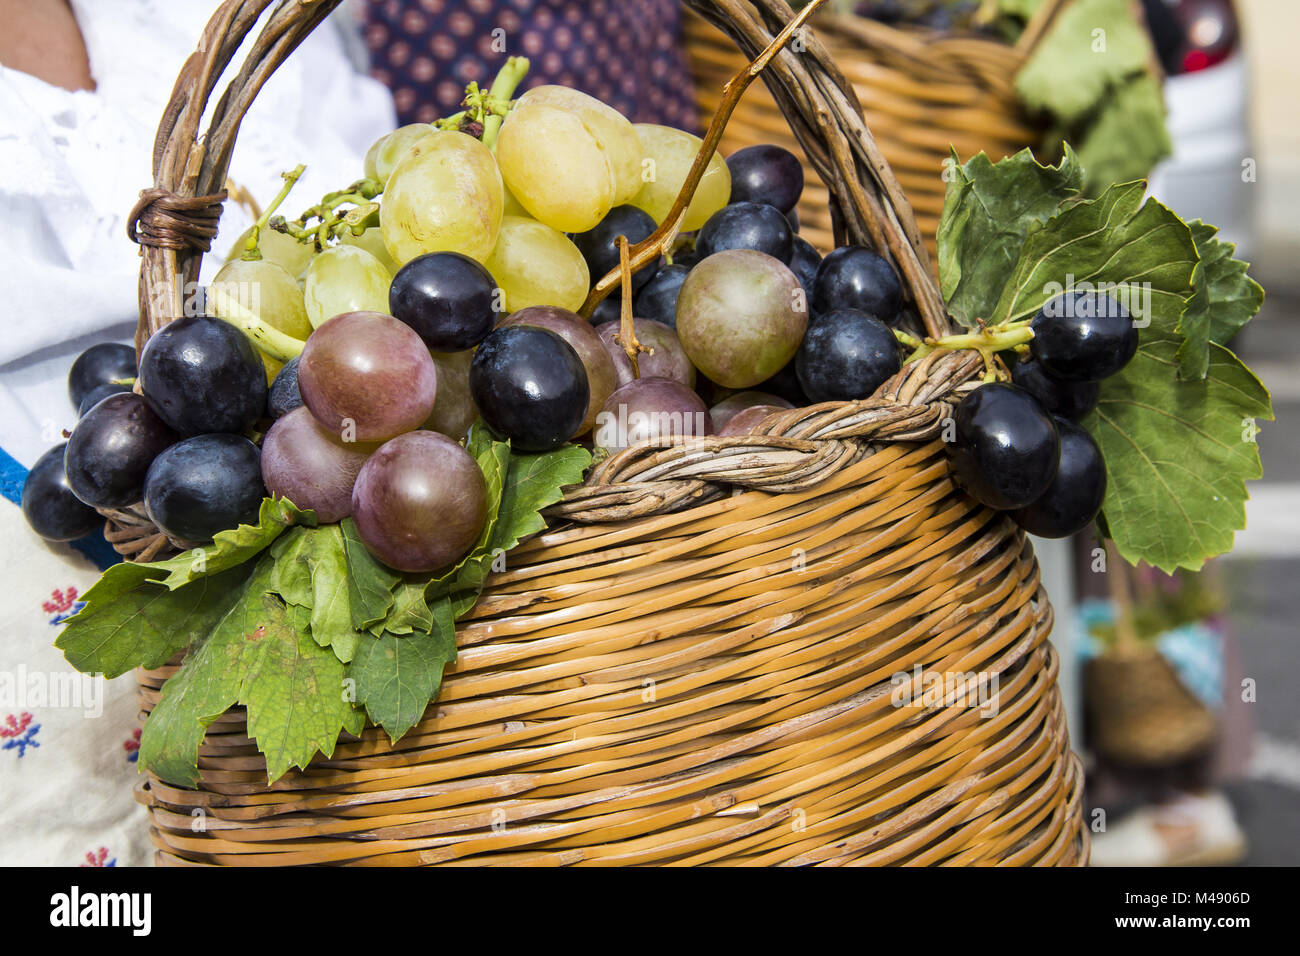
175, 220
1037, 26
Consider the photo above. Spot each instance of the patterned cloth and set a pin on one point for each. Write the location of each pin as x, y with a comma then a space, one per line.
627, 53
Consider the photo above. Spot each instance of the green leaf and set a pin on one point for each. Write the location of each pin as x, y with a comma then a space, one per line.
987, 212
1225, 299
235, 546
397, 676
1141, 252
259, 654
410, 611
1126, 137
534, 482
1091, 47
370, 584
1178, 453
130, 621
311, 572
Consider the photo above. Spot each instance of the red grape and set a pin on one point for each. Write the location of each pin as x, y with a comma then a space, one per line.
306, 464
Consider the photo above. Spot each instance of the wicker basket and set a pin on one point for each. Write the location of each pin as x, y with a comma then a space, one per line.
922, 92
722, 652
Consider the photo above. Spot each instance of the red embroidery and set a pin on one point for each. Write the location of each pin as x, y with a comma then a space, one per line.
15, 728
99, 858
60, 601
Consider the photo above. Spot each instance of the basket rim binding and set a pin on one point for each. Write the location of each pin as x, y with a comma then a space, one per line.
175, 221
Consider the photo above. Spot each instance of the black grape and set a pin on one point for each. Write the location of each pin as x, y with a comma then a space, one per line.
599, 247
1083, 336
854, 277
846, 355
804, 263
530, 385
50, 507
747, 225
284, 396
658, 299
99, 365
610, 309
202, 375
448, 298
1005, 448
98, 394
203, 485
766, 174
111, 449
1075, 495
1070, 400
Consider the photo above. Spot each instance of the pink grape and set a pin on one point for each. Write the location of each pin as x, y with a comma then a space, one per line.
668, 360
367, 377
747, 420
306, 464
419, 502
732, 405
653, 409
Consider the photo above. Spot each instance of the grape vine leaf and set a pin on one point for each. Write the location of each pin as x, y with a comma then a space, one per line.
1178, 453
261, 655
397, 675
311, 572
987, 212
1125, 138
410, 611
1091, 47
370, 583
235, 546
143, 624
1225, 298
1139, 251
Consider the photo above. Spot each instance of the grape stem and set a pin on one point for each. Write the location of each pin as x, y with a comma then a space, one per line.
498, 99
272, 341
626, 336
252, 248
661, 240
987, 341
345, 210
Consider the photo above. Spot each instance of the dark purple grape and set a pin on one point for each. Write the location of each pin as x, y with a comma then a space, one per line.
284, 396
449, 299
1005, 448
602, 376
792, 217
1083, 337
746, 225
50, 507
201, 375
609, 310
846, 355
420, 502
1070, 400
111, 449
530, 385
785, 383
854, 277
312, 468
367, 377
667, 360
599, 245
766, 174
650, 409
203, 485
98, 394
658, 300
804, 263
1075, 495
100, 364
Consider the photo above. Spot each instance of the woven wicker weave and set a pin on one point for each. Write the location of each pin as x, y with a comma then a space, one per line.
922, 92
702, 662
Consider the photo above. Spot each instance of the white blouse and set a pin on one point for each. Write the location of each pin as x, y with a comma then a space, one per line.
72, 165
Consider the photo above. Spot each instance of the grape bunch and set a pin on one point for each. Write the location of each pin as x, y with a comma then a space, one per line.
1017, 446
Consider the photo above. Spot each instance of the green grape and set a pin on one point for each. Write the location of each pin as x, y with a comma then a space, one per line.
445, 195
284, 250
263, 288
513, 207
568, 158
537, 265
389, 149
669, 155
345, 279
372, 240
